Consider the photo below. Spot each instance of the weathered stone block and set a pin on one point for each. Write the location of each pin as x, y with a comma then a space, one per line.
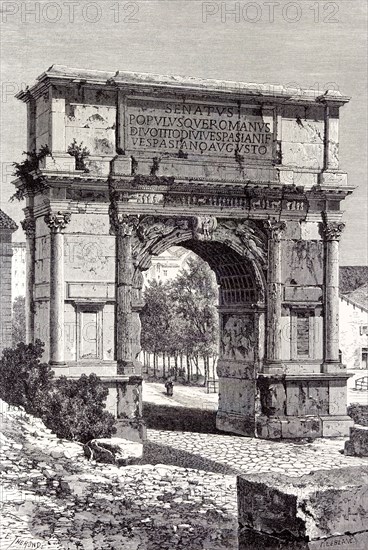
358, 442
268, 428
310, 426
235, 423
336, 426
317, 505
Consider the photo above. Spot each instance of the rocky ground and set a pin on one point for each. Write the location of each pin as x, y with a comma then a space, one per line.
182, 495
54, 498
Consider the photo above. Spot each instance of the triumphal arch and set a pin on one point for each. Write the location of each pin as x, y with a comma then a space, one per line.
245, 176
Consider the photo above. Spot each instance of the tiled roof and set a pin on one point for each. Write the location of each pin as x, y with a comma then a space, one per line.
359, 296
6, 222
352, 277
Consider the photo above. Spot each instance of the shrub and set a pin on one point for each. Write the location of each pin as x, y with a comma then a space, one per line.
73, 409
76, 409
359, 413
19, 321
24, 381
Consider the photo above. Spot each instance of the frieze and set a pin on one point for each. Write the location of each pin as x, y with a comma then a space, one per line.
92, 195
250, 203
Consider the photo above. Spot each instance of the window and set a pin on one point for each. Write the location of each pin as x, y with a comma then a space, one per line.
364, 358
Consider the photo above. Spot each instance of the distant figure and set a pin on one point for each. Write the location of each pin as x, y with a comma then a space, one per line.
169, 385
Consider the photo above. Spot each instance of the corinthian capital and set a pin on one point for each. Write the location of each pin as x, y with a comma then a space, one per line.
331, 230
57, 221
126, 224
29, 227
274, 228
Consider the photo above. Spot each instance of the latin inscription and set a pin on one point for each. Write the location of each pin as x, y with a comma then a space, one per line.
199, 129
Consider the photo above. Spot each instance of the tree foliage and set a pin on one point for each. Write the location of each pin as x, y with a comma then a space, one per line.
194, 293
73, 409
180, 316
28, 173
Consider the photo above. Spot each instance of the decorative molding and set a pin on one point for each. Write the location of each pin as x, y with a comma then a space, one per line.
126, 224
57, 221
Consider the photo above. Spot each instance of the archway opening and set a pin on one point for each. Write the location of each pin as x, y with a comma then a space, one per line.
236, 352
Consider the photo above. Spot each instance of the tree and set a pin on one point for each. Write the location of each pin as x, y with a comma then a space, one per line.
19, 320
156, 319
195, 294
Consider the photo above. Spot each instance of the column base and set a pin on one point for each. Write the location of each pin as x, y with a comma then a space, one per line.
333, 367
295, 427
235, 423
273, 367
129, 368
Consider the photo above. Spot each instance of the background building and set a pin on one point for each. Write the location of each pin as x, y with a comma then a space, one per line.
354, 328
19, 270
7, 228
167, 265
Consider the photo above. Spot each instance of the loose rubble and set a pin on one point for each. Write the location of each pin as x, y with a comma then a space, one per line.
54, 498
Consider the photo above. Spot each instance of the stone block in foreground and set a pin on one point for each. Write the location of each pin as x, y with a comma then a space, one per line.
358, 442
306, 509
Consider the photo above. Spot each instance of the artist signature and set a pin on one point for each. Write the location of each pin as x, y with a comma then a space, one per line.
17, 543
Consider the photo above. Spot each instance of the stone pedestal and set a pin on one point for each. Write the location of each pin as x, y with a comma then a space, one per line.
301, 406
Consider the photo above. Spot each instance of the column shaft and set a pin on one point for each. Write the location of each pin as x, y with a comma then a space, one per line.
274, 294
29, 228
124, 303
57, 222
332, 232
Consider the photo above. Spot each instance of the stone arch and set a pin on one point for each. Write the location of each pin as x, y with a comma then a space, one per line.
237, 252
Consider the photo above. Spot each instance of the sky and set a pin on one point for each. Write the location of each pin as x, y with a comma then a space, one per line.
314, 44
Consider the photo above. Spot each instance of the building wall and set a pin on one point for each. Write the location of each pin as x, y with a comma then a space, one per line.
18, 270
167, 265
6, 253
353, 336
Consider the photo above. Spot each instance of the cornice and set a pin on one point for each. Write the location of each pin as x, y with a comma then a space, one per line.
134, 82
